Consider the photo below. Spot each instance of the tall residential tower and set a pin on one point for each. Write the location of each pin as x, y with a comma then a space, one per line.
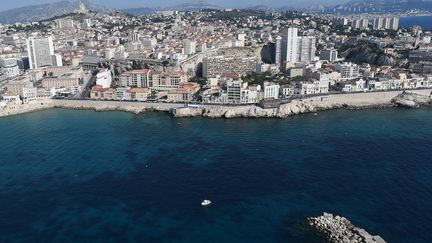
289, 44
40, 52
278, 50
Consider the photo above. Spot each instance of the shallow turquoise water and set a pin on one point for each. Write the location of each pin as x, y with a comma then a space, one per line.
83, 176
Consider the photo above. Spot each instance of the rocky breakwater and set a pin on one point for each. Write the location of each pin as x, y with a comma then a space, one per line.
340, 230
411, 100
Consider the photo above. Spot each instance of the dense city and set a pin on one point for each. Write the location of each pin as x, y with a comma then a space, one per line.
216, 121
230, 56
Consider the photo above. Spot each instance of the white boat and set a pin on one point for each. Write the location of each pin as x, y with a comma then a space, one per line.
206, 203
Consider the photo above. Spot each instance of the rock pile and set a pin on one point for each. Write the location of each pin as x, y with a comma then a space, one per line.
411, 100
340, 230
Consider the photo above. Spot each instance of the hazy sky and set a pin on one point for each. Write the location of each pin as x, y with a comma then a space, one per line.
6, 4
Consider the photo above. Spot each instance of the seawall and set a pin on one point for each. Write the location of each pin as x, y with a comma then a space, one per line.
296, 106
134, 107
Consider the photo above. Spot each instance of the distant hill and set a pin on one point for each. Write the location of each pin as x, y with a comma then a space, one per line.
191, 6
48, 10
261, 8
138, 11
195, 6
381, 6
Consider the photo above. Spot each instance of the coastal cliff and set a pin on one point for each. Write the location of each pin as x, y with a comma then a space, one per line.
338, 229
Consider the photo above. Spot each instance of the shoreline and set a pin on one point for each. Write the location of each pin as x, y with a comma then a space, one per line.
350, 101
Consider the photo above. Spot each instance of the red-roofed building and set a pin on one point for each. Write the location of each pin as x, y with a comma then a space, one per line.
139, 94
184, 93
159, 81
135, 78
99, 93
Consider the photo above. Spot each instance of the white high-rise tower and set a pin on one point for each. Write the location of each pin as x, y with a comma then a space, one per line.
278, 50
40, 52
306, 48
289, 44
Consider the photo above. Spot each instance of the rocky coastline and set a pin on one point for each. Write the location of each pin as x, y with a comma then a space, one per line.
356, 101
338, 229
311, 105
253, 111
411, 100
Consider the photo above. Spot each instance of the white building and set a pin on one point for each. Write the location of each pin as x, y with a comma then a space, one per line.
76, 89
348, 70
11, 97
109, 53
87, 23
9, 68
315, 87
251, 94
29, 94
278, 50
271, 90
104, 78
394, 23
65, 24
340, 21
57, 60
386, 23
40, 52
264, 67
189, 47
289, 44
306, 47
286, 90
381, 23
360, 23
122, 93
234, 88
149, 43
134, 36
361, 85
378, 23
329, 55
241, 38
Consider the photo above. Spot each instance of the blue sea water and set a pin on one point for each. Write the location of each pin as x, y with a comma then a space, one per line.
424, 21
83, 176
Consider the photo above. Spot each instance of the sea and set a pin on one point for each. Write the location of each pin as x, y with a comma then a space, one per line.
424, 21
84, 176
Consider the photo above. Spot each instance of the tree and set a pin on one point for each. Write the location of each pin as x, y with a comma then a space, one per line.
153, 95
165, 64
200, 81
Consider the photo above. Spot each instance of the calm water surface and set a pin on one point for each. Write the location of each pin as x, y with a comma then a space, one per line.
82, 176
424, 21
